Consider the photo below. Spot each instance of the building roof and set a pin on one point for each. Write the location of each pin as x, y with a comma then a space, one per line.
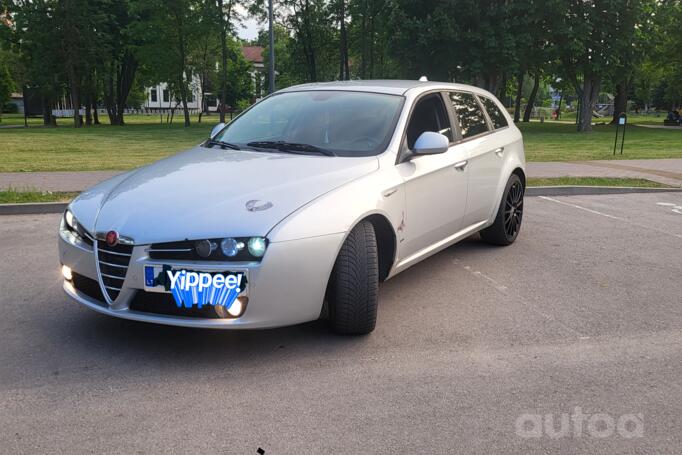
254, 54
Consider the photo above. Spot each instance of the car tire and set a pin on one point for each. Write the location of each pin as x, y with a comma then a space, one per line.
354, 285
507, 223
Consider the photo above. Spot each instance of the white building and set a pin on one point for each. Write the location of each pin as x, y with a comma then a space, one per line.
160, 97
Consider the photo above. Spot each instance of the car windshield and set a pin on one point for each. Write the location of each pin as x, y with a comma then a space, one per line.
342, 123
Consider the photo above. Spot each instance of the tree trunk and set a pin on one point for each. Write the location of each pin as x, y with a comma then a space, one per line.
363, 41
531, 98
88, 113
558, 109
343, 42
519, 94
502, 90
183, 99
371, 47
95, 115
588, 97
184, 73
620, 102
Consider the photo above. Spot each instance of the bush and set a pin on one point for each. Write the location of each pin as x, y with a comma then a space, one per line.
10, 108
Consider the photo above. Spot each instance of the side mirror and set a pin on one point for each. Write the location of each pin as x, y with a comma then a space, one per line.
216, 129
430, 143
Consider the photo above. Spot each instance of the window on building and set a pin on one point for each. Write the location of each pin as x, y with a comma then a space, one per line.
153, 95
166, 95
469, 114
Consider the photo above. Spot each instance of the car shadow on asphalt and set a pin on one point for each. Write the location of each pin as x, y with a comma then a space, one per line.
93, 335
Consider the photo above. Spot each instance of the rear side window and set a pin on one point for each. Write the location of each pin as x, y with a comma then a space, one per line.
469, 114
494, 112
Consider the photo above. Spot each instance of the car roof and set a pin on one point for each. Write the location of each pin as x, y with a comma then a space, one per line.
387, 86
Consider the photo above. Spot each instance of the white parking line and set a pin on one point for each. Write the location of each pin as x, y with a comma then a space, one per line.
582, 208
650, 228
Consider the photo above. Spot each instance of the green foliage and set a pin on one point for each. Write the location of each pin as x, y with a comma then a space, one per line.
7, 85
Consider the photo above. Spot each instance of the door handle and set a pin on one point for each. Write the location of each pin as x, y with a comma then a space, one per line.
499, 151
461, 165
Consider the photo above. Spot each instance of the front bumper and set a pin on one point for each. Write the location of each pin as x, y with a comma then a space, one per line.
287, 287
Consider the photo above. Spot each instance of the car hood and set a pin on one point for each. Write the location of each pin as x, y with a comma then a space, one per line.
204, 193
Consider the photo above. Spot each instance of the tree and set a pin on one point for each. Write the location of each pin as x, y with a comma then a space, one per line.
666, 55
594, 41
171, 29
311, 26
119, 61
7, 86
225, 14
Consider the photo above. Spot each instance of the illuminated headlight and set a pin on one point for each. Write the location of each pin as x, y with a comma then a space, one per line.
72, 230
231, 247
257, 246
70, 220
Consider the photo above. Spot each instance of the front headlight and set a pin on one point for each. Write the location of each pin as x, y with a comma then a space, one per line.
257, 246
233, 249
72, 230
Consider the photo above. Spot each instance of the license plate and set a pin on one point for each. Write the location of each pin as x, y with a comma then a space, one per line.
156, 278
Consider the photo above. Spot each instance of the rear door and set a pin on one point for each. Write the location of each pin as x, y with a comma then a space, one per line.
485, 155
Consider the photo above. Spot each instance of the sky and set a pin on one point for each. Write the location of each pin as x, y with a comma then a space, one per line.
250, 30
250, 26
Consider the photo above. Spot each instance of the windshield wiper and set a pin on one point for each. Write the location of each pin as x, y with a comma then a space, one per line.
228, 145
291, 147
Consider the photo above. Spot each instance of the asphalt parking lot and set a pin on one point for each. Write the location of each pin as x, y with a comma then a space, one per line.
582, 314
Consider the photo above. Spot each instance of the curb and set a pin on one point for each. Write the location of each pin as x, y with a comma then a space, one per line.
592, 190
37, 208
58, 207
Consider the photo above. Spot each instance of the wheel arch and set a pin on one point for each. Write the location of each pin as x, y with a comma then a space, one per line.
386, 242
522, 175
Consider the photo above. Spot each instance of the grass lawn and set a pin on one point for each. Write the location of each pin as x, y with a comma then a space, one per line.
101, 147
144, 140
650, 119
551, 141
594, 181
16, 197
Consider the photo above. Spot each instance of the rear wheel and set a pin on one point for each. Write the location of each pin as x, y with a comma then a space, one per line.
353, 290
507, 223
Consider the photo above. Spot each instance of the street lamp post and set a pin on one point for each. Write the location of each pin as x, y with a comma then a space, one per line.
271, 63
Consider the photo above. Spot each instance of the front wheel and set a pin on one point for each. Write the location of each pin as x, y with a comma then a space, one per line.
507, 223
353, 290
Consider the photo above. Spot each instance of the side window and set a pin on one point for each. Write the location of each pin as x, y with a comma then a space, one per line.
428, 115
469, 114
494, 112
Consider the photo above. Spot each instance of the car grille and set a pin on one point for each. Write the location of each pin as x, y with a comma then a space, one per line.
113, 265
88, 287
184, 250
164, 304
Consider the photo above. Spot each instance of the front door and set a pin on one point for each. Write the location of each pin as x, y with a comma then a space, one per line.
435, 185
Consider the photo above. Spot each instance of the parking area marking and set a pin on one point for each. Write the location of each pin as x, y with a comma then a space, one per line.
504, 290
613, 217
674, 207
581, 208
